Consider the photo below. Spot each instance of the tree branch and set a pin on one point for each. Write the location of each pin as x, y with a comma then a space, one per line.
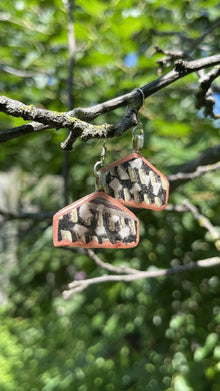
181, 69
16, 72
181, 177
77, 120
47, 117
204, 95
9, 134
80, 285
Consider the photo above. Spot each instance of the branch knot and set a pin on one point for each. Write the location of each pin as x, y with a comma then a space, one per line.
180, 66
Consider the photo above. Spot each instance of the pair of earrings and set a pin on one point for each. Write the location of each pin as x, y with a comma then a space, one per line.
101, 219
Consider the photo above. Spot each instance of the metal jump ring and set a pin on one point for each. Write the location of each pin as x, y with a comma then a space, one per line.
102, 165
138, 137
142, 95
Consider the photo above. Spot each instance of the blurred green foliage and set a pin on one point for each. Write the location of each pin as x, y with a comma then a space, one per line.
154, 335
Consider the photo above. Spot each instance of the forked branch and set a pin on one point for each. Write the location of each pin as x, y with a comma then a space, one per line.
80, 285
78, 121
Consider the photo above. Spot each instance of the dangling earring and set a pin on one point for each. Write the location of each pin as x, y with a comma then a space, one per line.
134, 181
96, 220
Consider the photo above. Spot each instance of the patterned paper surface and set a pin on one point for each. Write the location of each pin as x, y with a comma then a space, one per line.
96, 220
137, 183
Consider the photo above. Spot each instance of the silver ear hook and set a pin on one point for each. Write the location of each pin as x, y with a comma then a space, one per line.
103, 153
104, 149
101, 170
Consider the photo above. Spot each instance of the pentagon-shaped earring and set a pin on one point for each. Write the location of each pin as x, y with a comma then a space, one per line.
135, 182
96, 221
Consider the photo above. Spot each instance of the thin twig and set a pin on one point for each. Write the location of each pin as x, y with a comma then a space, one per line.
208, 158
195, 174
204, 95
22, 215
195, 42
17, 72
78, 286
108, 266
23, 72
204, 222
175, 208
170, 57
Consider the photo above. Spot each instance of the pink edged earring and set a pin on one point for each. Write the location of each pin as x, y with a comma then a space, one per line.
96, 220
134, 181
